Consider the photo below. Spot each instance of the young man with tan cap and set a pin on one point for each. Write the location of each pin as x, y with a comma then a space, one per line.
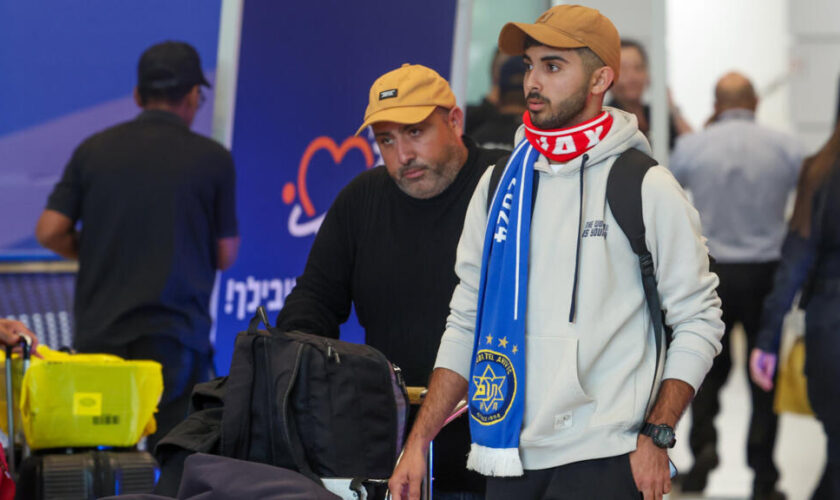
387, 245
549, 336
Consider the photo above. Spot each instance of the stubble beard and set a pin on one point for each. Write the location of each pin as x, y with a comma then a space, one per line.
561, 115
439, 176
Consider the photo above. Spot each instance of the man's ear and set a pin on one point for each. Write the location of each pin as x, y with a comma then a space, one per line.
602, 79
137, 99
195, 97
456, 120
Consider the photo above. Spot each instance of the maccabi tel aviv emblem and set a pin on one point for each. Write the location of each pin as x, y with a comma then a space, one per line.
494, 380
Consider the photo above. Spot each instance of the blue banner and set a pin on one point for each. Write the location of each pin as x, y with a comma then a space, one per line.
305, 70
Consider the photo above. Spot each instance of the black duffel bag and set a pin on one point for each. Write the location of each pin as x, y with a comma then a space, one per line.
320, 406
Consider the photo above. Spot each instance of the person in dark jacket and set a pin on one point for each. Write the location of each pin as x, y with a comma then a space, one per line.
811, 261
498, 130
157, 208
387, 244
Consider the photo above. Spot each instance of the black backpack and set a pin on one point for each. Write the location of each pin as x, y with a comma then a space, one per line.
316, 405
624, 196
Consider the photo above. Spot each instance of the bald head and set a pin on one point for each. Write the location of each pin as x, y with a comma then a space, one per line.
734, 91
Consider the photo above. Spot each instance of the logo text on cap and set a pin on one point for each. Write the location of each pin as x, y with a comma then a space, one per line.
387, 94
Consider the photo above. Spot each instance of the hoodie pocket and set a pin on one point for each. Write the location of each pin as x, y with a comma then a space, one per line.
553, 394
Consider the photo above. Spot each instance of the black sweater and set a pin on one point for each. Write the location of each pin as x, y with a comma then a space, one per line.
393, 257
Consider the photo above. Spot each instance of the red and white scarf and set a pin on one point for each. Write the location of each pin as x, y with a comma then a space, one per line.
564, 144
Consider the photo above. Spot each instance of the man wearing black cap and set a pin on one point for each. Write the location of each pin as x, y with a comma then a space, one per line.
157, 209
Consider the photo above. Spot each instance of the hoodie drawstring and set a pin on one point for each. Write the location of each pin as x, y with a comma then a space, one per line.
577, 250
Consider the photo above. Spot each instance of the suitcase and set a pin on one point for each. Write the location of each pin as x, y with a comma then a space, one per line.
77, 474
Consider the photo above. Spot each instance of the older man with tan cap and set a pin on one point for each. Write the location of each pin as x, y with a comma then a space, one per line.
387, 244
549, 335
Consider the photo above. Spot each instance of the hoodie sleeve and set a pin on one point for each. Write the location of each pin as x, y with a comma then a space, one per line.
686, 286
456, 345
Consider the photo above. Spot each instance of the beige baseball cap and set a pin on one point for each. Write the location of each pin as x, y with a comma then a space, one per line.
567, 27
408, 94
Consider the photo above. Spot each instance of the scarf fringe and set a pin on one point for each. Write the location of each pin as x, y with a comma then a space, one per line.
498, 462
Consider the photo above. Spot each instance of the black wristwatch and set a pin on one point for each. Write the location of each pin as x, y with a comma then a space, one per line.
662, 434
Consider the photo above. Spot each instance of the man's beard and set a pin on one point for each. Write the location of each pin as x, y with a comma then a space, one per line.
566, 110
439, 174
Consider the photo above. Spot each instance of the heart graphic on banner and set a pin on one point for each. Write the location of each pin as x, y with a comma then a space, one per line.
301, 229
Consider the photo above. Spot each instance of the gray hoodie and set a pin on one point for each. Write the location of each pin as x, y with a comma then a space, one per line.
588, 382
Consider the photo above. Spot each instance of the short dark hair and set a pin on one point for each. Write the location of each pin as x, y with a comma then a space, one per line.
628, 43
171, 95
590, 59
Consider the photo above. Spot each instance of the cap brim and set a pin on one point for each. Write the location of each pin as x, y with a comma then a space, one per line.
405, 114
512, 38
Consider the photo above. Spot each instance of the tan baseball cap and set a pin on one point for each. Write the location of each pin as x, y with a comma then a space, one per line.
567, 27
408, 94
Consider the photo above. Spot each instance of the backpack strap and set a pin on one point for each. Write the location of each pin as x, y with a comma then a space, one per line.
624, 196
496, 177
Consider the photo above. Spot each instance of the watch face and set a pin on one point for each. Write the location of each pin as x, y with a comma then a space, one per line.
663, 436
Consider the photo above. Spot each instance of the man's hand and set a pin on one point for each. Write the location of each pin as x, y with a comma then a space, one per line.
11, 331
408, 477
649, 464
446, 388
762, 368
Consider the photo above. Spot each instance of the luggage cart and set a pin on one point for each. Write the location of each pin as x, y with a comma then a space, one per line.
72, 472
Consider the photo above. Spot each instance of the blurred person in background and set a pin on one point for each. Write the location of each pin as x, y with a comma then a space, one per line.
479, 113
499, 129
628, 91
741, 175
811, 262
157, 206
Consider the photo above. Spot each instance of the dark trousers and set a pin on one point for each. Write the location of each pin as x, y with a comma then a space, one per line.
822, 352
604, 478
182, 369
829, 485
742, 290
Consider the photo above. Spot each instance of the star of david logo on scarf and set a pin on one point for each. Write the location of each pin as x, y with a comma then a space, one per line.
488, 389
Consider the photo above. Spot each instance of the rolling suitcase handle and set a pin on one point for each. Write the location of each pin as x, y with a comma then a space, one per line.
26, 345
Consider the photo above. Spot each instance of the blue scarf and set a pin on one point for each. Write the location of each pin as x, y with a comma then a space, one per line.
497, 377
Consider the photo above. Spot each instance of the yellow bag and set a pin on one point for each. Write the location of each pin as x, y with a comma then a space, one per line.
46, 354
791, 383
78, 400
